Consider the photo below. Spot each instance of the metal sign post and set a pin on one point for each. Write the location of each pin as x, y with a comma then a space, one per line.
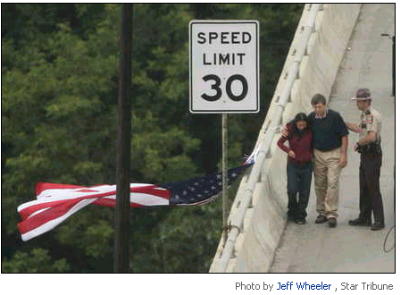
224, 76
224, 174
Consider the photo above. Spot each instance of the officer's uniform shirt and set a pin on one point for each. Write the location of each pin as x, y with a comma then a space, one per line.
371, 120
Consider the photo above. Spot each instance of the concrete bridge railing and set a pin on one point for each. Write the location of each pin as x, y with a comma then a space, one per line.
258, 214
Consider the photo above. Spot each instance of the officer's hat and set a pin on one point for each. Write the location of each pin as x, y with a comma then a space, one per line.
362, 94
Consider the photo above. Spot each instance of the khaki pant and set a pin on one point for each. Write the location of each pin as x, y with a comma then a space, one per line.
326, 181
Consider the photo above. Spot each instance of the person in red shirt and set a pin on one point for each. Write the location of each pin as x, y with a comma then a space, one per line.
299, 166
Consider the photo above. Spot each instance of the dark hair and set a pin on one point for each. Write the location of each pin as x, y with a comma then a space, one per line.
318, 98
297, 118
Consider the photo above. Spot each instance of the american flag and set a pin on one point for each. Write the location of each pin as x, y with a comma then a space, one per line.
56, 202
200, 190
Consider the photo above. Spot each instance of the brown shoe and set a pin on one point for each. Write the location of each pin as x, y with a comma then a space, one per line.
321, 219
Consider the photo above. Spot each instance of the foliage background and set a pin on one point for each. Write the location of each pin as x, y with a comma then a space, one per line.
59, 88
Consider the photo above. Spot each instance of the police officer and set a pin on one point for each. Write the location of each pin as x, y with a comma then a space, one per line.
369, 146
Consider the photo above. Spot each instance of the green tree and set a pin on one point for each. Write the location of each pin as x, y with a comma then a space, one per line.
36, 261
59, 74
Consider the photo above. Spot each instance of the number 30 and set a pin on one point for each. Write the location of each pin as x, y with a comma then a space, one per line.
218, 91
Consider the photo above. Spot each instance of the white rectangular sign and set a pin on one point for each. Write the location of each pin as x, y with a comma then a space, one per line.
224, 66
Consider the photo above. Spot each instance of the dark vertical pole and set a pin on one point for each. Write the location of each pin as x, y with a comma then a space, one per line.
121, 246
394, 65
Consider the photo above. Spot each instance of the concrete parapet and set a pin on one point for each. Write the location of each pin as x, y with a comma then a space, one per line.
318, 70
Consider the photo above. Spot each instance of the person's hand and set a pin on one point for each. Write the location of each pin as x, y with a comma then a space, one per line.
353, 127
285, 132
343, 161
357, 130
292, 154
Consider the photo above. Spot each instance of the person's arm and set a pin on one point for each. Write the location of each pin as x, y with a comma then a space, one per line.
370, 137
281, 145
285, 131
353, 127
343, 151
344, 135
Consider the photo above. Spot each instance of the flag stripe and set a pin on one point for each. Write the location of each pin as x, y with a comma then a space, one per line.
140, 199
59, 195
52, 212
41, 186
136, 200
46, 216
26, 209
45, 227
152, 190
38, 215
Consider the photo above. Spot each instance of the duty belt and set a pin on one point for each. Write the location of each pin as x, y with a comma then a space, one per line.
371, 148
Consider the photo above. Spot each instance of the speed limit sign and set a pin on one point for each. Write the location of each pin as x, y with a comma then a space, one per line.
224, 66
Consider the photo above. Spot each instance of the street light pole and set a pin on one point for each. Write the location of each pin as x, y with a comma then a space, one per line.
121, 246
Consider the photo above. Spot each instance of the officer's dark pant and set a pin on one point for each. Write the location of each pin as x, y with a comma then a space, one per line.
298, 182
370, 194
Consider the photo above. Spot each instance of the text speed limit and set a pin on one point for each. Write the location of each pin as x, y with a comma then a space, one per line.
224, 70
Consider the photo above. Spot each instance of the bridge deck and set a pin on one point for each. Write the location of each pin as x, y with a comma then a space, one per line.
317, 248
